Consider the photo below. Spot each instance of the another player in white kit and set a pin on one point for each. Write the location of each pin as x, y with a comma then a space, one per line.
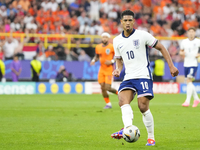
190, 51
131, 49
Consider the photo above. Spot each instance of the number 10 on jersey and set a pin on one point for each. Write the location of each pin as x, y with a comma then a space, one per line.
130, 54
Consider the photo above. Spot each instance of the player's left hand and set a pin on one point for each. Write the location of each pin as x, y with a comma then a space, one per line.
174, 71
108, 62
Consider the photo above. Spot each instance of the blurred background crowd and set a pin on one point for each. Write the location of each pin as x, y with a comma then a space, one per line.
165, 18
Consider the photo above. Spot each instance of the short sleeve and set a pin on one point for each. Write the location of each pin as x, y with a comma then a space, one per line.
182, 45
150, 40
117, 53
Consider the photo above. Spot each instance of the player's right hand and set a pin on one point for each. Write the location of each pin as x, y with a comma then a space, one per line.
116, 73
174, 71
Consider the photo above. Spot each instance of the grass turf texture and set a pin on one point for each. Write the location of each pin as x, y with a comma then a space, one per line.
74, 122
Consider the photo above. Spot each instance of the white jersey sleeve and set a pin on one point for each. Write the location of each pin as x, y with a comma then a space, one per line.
150, 40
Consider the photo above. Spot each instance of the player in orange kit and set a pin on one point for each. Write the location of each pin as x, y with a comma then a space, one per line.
105, 54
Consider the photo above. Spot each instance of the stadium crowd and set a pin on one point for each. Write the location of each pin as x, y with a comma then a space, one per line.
168, 18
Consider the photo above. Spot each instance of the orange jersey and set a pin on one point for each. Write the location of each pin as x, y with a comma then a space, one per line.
105, 53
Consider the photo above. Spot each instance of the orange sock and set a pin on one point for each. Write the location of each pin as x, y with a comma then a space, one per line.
106, 99
116, 92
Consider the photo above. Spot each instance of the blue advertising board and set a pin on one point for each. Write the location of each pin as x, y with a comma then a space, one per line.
183, 87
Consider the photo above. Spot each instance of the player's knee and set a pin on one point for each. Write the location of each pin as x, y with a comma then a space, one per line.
143, 107
122, 101
103, 87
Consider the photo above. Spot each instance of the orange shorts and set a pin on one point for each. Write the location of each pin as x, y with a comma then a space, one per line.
103, 78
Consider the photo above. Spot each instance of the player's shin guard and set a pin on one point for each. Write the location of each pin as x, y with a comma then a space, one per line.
149, 123
127, 115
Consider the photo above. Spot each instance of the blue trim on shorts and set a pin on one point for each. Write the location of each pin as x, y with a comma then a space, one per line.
190, 72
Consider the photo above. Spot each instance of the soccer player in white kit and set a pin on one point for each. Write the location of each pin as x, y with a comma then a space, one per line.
190, 51
131, 49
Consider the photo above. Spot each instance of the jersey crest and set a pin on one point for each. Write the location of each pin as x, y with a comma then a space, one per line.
107, 51
136, 43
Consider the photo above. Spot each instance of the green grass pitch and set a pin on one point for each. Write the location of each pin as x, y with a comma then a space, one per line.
79, 122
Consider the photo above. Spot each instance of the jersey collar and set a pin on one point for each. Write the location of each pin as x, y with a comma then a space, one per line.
129, 35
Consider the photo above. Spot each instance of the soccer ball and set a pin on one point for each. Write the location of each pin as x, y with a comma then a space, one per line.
131, 134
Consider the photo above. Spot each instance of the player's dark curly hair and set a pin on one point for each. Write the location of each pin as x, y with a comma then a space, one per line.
127, 13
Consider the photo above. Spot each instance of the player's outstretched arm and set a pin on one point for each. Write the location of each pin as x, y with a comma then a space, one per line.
174, 71
95, 59
119, 67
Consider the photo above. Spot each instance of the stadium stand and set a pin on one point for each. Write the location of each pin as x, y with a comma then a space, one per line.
50, 21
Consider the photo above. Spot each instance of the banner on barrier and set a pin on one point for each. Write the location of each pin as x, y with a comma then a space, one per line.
60, 88
17, 88
158, 87
166, 87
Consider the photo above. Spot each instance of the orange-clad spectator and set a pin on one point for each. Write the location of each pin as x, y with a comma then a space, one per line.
40, 11
25, 4
15, 3
146, 3
64, 12
103, 1
74, 22
114, 28
33, 10
49, 26
40, 19
106, 27
47, 18
2, 30
126, 6
136, 7
55, 18
181, 1
50, 54
165, 2
189, 10
55, 13
157, 9
187, 24
156, 28
104, 19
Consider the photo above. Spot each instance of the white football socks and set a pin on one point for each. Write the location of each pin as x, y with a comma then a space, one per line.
127, 115
191, 91
195, 95
149, 123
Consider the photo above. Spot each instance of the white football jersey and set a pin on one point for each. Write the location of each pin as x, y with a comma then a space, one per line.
191, 49
134, 52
